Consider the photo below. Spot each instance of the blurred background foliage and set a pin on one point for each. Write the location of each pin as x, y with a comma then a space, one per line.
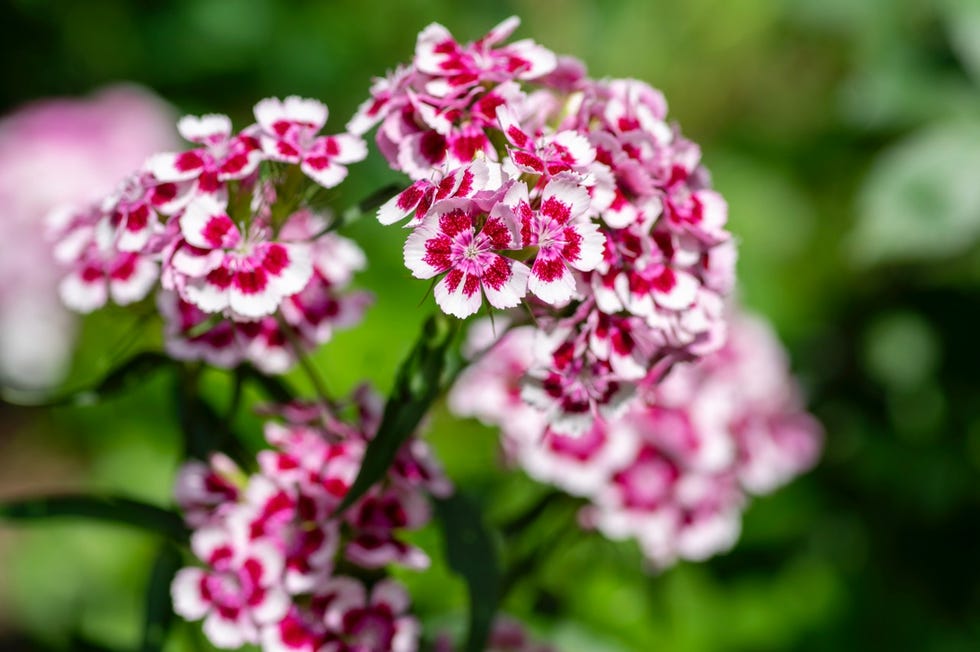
845, 135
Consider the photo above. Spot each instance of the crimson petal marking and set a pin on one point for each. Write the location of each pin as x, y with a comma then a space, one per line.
205, 224
450, 296
417, 251
506, 282
323, 170
131, 277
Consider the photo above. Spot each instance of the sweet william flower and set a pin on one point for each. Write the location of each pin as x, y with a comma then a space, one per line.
224, 268
563, 237
223, 157
456, 68
237, 594
368, 622
464, 183
452, 241
289, 134
98, 270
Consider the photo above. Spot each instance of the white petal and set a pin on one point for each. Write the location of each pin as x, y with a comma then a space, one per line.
274, 605
572, 195
185, 591
137, 285
591, 248
351, 148
415, 252
327, 175
164, 167
577, 146
202, 212
83, 295
205, 128
513, 289
681, 295
297, 272
389, 592
205, 295
557, 291
224, 634
457, 303
427, 60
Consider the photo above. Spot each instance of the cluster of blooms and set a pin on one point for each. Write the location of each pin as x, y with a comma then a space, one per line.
225, 231
279, 570
52, 153
507, 635
674, 470
533, 183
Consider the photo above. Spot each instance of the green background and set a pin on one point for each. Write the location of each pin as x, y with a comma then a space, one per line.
845, 135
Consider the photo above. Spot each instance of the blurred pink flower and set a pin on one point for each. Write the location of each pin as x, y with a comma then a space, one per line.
674, 468
52, 153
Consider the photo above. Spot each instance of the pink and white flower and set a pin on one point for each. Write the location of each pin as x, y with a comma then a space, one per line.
223, 157
418, 198
221, 268
289, 131
237, 594
452, 241
368, 622
57, 153
99, 271
455, 69
564, 239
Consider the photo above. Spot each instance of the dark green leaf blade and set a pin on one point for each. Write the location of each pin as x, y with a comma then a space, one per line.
126, 375
110, 509
418, 383
471, 553
159, 607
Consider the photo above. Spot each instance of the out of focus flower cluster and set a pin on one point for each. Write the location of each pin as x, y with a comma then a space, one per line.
280, 570
506, 635
534, 183
225, 231
674, 470
53, 153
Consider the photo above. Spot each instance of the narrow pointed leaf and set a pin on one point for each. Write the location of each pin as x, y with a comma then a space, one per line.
128, 374
418, 383
159, 607
274, 387
471, 553
110, 509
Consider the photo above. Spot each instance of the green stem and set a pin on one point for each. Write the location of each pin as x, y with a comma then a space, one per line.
319, 387
421, 378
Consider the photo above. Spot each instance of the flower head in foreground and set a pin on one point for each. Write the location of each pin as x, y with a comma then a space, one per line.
534, 184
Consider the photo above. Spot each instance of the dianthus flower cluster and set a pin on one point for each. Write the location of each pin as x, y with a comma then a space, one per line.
279, 569
534, 184
674, 470
226, 234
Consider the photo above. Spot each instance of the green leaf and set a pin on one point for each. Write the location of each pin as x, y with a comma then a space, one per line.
962, 18
274, 387
203, 429
111, 509
128, 374
418, 383
471, 553
921, 200
159, 606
